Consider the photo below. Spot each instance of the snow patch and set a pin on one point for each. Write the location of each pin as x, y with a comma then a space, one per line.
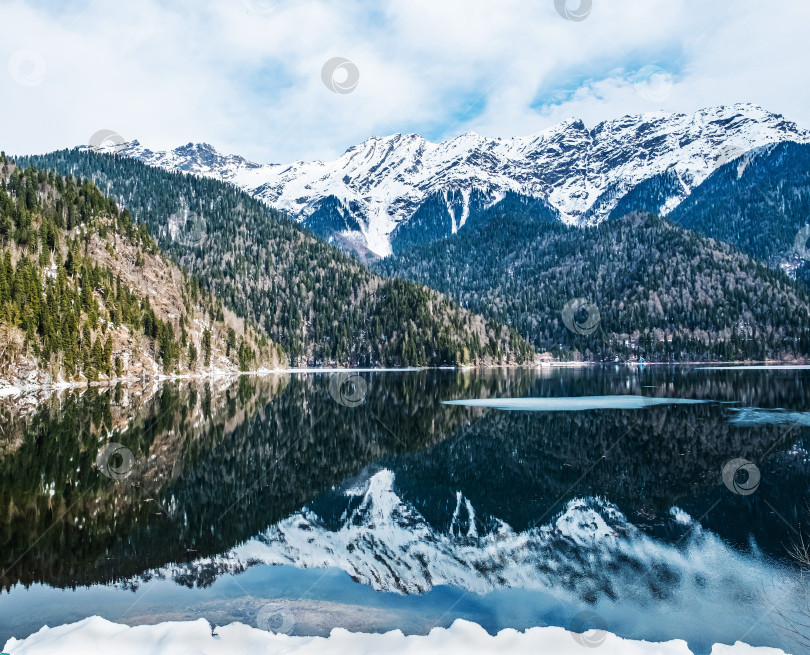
6, 391
680, 517
97, 635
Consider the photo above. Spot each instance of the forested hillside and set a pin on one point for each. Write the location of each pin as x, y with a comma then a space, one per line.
662, 292
758, 202
320, 304
651, 195
85, 292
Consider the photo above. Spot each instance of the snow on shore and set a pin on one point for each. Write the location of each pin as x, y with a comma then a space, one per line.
97, 635
9, 391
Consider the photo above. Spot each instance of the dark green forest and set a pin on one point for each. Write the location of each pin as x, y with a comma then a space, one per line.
757, 203
663, 293
64, 303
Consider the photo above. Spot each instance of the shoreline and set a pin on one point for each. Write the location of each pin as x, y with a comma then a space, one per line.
11, 390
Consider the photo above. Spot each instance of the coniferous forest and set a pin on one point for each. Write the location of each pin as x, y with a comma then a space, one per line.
663, 293
68, 256
757, 202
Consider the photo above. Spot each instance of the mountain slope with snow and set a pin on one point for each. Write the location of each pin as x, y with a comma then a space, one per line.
581, 172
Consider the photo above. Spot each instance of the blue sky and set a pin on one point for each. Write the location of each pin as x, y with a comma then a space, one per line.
245, 75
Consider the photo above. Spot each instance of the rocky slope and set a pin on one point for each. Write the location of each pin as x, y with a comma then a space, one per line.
86, 295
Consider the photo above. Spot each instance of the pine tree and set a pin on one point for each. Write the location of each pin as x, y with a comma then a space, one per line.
206, 344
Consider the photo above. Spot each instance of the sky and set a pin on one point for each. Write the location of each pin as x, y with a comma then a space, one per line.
284, 80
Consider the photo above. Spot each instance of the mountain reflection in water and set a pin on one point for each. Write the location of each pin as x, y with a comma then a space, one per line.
220, 465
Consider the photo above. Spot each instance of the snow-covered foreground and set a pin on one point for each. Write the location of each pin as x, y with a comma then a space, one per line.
96, 635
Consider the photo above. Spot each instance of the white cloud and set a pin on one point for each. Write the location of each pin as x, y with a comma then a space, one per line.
245, 74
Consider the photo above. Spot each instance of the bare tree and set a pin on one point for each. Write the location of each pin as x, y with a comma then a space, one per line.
795, 622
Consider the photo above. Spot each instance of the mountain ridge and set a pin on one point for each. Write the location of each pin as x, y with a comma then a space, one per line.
759, 202
655, 290
381, 183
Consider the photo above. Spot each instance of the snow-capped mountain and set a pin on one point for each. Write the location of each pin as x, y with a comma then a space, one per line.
379, 185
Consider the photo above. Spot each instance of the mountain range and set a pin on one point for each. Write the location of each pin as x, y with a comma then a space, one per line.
571, 242
389, 193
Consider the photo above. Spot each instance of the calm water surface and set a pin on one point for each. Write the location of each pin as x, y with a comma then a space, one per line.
302, 502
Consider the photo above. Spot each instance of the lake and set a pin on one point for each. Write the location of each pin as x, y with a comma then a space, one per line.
655, 503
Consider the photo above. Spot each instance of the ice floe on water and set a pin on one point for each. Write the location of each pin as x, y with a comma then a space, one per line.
574, 404
756, 367
97, 635
757, 416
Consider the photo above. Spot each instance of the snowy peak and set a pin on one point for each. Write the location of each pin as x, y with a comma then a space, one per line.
582, 172
199, 158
